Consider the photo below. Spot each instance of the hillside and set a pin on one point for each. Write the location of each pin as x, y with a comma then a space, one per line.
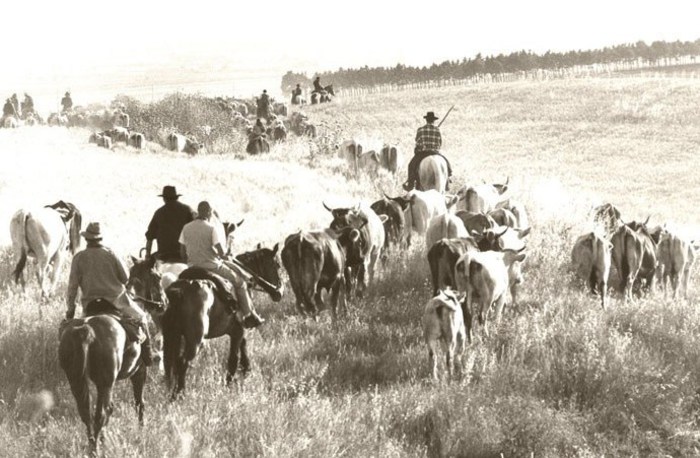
560, 377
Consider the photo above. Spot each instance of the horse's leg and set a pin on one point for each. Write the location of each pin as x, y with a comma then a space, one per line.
103, 409
244, 361
171, 349
57, 261
81, 392
138, 381
236, 335
183, 363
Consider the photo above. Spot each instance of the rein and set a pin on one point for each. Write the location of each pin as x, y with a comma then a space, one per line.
145, 301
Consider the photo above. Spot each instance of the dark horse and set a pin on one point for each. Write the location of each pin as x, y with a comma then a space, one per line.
323, 96
196, 313
95, 348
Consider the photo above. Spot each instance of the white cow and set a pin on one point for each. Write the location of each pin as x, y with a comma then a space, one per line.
481, 198
445, 226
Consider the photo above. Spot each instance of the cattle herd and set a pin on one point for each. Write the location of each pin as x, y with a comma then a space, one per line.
475, 243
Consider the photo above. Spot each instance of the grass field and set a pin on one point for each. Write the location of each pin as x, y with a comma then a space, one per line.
559, 377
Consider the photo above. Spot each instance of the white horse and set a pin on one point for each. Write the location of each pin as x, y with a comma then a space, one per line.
432, 171
44, 235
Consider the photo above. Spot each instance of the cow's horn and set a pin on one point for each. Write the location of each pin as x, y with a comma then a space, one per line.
507, 179
505, 229
646, 220
385, 195
326, 207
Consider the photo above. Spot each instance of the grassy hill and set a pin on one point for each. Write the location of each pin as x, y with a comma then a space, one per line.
559, 377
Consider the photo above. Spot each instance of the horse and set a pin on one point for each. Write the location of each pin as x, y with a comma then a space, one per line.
95, 348
44, 234
323, 96
432, 172
258, 145
196, 313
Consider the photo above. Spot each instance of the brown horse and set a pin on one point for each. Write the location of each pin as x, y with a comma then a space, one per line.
96, 348
197, 313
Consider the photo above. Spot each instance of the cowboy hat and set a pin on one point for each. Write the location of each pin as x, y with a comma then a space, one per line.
169, 192
430, 116
92, 232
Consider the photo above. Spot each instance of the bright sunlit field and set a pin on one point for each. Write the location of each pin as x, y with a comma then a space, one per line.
559, 377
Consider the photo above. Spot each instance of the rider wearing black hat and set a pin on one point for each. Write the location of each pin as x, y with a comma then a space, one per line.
166, 225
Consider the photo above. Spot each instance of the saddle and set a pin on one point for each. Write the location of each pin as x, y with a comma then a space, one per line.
133, 330
222, 287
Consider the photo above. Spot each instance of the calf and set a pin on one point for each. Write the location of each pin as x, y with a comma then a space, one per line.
488, 276
443, 322
591, 258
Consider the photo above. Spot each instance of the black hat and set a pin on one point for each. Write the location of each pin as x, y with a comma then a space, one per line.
430, 116
169, 192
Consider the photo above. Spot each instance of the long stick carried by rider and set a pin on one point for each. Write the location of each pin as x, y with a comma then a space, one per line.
446, 115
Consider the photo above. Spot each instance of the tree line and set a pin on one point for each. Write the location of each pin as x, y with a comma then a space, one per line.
501, 63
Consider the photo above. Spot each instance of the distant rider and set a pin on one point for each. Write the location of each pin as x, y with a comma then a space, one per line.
296, 95
264, 105
67, 102
428, 142
99, 274
317, 85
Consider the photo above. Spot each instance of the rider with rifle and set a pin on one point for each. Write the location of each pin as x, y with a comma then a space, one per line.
428, 142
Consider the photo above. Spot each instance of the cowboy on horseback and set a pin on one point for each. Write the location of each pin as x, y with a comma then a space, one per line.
317, 85
264, 105
101, 275
166, 225
202, 246
296, 95
428, 142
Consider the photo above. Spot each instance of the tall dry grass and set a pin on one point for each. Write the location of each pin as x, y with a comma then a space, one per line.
558, 377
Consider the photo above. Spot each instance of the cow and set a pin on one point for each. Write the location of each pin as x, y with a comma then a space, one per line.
606, 217
371, 228
118, 134
443, 322
676, 257
57, 119
518, 210
10, 122
389, 158
183, 144
443, 254
432, 173
445, 226
634, 256
280, 108
486, 277
476, 222
100, 139
591, 258
137, 140
319, 260
422, 206
395, 224
481, 198
352, 152
502, 238
504, 217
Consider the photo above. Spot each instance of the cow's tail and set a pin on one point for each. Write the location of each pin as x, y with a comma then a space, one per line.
73, 356
22, 225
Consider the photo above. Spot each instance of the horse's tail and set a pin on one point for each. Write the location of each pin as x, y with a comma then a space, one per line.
20, 221
73, 355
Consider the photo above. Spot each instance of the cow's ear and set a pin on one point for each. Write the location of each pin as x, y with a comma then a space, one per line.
275, 248
520, 257
524, 233
354, 235
383, 218
133, 259
240, 223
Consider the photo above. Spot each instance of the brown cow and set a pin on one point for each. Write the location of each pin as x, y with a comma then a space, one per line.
591, 257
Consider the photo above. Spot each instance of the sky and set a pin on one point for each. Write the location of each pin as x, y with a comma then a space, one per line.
76, 40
